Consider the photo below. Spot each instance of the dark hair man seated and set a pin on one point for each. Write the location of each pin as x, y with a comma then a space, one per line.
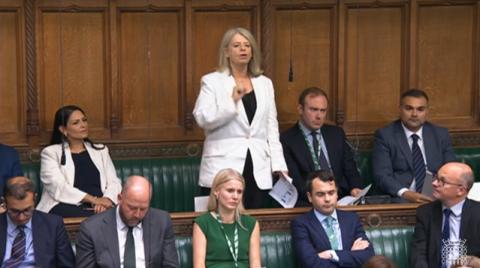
313, 145
452, 218
327, 237
408, 149
31, 238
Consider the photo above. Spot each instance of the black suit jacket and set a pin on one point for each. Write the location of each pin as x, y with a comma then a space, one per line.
51, 244
300, 163
97, 240
425, 252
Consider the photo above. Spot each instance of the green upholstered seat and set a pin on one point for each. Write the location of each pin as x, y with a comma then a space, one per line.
276, 247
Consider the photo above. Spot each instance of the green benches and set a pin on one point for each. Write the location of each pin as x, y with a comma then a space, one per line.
277, 251
175, 179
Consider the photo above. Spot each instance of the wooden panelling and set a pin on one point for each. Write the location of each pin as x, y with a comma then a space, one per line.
135, 65
373, 62
447, 59
303, 46
12, 87
73, 66
150, 74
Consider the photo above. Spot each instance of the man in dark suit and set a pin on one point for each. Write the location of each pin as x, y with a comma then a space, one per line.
409, 148
129, 235
451, 217
326, 237
30, 238
313, 145
9, 165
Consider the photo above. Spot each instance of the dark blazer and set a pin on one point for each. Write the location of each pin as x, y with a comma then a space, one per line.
300, 163
392, 157
9, 165
309, 238
425, 252
97, 240
51, 244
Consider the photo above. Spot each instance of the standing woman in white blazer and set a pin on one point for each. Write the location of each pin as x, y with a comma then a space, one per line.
236, 108
78, 176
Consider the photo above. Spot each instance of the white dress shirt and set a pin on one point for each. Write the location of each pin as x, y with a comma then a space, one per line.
122, 230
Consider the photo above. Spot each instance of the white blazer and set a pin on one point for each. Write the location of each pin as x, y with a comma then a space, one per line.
58, 180
228, 135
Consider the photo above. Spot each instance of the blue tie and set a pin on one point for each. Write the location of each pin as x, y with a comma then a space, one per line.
418, 164
445, 232
18, 249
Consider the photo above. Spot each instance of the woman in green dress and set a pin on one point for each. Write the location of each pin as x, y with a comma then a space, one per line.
224, 237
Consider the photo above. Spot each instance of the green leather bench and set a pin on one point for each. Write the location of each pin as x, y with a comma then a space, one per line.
175, 179
276, 247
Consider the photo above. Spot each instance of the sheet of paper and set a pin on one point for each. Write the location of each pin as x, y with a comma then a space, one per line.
284, 192
350, 200
474, 193
201, 203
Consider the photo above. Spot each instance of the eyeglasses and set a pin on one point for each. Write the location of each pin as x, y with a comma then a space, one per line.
26, 212
442, 181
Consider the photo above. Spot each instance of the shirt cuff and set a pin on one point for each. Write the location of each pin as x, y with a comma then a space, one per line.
402, 191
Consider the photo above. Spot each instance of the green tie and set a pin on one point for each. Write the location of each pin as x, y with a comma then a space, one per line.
331, 232
129, 254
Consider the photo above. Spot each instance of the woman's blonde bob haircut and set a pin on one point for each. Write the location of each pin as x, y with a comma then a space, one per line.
254, 66
222, 177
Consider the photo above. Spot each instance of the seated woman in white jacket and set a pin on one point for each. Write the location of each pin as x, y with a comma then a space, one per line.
78, 176
236, 108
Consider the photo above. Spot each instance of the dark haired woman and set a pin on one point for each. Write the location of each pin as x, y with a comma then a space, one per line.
78, 176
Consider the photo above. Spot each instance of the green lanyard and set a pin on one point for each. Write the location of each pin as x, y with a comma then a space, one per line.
312, 152
233, 250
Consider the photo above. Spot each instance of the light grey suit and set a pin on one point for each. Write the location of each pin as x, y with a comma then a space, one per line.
392, 157
97, 240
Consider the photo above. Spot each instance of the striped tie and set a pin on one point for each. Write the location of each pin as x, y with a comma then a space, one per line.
418, 164
18, 249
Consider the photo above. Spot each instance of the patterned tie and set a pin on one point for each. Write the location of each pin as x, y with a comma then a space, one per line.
129, 253
18, 249
445, 235
418, 164
332, 236
322, 160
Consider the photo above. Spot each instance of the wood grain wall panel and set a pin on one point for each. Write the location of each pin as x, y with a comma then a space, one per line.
73, 67
374, 60
12, 77
447, 59
150, 74
303, 46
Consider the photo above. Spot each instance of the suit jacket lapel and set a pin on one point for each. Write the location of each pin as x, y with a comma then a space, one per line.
147, 238
260, 97
109, 231
69, 168
38, 231
466, 215
302, 147
3, 236
318, 228
436, 231
401, 139
229, 84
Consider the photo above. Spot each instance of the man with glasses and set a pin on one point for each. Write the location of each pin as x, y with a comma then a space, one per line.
408, 149
452, 217
30, 238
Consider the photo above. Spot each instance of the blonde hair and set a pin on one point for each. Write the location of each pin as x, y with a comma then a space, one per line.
254, 66
222, 177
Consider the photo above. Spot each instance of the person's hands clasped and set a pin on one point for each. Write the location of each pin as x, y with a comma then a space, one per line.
360, 244
415, 197
238, 93
101, 204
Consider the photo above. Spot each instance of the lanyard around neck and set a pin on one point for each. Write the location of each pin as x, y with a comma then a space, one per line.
234, 249
312, 152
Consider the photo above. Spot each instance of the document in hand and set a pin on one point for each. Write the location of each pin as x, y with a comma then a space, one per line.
350, 200
284, 192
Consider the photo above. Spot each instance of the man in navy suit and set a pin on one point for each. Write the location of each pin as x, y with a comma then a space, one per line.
452, 217
326, 237
30, 238
393, 151
311, 142
9, 165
